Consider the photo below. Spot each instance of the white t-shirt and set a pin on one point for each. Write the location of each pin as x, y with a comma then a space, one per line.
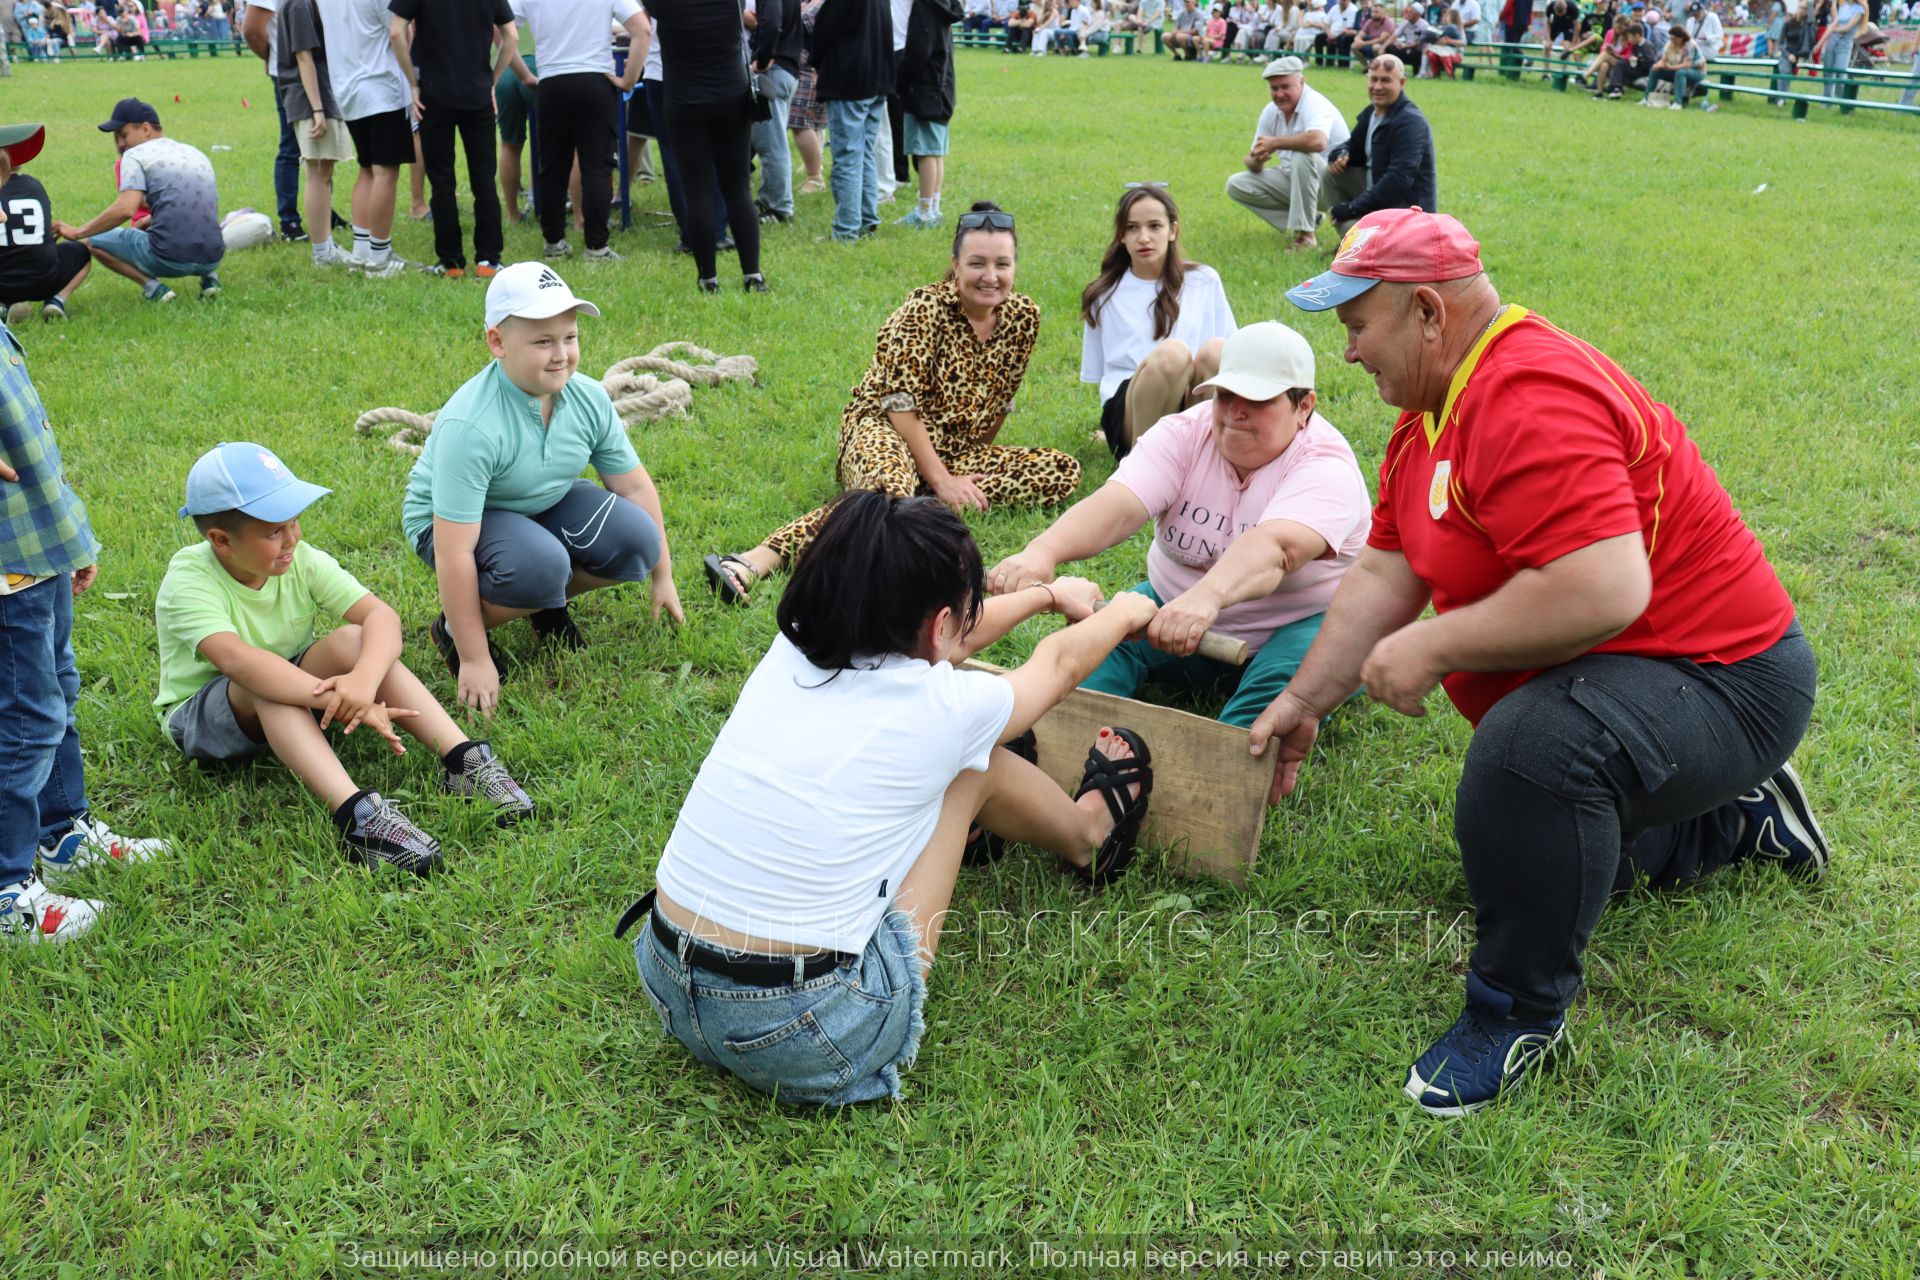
902, 14
1313, 111
571, 37
1200, 505
1113, 349
273, 35
822, 790
367, 80
1469, 14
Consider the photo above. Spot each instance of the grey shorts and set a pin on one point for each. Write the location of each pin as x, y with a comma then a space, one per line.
204, 726
525, 562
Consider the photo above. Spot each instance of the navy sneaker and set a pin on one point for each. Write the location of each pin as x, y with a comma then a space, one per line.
1486, 1053
1781, 828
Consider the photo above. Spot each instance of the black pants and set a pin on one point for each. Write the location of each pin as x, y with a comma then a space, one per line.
474, 127
711, 141
577, 117
1604, 770
1625, 73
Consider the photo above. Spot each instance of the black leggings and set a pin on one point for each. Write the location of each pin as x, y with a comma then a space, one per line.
710, 141
576, 114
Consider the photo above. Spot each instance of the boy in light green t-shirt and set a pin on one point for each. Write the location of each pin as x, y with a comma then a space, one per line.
240, 670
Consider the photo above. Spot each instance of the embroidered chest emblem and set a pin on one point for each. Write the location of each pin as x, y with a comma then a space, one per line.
1437, 491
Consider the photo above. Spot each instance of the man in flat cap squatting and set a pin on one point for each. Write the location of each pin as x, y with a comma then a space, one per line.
1287, 161
1605, 619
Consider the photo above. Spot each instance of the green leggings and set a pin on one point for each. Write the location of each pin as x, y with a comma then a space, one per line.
1249, 689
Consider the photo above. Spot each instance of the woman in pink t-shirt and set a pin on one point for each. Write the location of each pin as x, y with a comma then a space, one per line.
1258, 508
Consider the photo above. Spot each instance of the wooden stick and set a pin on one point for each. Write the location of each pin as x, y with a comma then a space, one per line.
1222, 647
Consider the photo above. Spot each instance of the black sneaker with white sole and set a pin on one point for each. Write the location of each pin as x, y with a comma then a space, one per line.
375, 831
1781, 827
472, 770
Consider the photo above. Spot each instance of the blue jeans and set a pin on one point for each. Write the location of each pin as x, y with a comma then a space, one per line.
854, 126
770, 141
842, 1037
286, 171
1249, 689
1837, 59
42, 782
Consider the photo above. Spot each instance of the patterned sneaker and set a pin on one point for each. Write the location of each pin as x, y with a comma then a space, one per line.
1781, 828
91, 843
604, 253
486, 270
556, 626
556, 249
386, 270
1484, 1054
444, 270
32, 913
480, 774
374, 831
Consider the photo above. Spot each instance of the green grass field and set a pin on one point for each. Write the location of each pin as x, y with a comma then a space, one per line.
266, 1062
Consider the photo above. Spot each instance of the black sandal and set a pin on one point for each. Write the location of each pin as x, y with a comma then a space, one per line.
983, 846
1111, 778
731, 577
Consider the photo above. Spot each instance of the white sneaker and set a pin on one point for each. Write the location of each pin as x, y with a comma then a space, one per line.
92, 843
603, 254
556, 249
386, 270
32, 913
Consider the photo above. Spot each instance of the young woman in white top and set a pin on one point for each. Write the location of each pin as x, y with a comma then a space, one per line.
1154, 321
801, 894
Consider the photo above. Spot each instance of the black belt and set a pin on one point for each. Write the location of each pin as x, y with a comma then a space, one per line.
753, 969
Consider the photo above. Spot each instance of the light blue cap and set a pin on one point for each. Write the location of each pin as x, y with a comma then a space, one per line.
247, 478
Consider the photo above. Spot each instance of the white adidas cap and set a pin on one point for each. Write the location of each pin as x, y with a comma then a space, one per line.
532, 291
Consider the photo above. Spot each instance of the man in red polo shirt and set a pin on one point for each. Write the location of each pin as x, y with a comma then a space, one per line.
1603, 616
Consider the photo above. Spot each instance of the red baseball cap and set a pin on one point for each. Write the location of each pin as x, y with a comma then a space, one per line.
1410, 246
22, 142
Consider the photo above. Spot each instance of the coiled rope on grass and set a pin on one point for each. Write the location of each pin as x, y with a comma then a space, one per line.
644, 389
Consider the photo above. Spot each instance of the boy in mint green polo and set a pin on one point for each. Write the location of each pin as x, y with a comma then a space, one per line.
241, 671
496, 505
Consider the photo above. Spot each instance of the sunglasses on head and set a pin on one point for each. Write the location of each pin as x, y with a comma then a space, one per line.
991, 219
1135, 186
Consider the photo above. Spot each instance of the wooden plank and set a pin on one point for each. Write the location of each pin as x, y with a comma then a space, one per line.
1209, 793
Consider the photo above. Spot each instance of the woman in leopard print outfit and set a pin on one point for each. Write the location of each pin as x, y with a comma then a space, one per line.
925, 417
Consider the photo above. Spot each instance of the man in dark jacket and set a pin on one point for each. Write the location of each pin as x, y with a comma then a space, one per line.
1387, 163
853, 66
777, 40
925, 92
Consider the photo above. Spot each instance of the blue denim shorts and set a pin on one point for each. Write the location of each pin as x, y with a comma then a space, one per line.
842, 1037
135, 248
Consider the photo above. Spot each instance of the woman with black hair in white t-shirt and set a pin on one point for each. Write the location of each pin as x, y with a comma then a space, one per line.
1154, 322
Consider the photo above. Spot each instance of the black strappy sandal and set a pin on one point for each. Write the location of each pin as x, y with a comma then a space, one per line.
732, 577
983, 846
1111, 778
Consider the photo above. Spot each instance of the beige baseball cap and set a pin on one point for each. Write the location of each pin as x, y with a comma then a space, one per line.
1262, 361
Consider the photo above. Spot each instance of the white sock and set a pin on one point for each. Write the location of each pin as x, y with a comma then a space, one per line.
378, 251
361, 236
